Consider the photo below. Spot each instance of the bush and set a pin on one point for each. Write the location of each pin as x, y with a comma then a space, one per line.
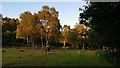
112, 57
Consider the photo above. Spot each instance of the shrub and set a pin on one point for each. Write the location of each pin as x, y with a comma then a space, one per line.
112, 57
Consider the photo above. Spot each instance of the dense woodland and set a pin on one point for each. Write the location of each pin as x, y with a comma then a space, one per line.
98, 28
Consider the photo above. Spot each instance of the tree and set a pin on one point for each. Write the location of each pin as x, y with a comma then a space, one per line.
39, 26
74, 38
9, 27
26, 27
51, 23
104, 22
81, 33
0, 29
0, 18
0, 22
54, 26
9, 24
65, 33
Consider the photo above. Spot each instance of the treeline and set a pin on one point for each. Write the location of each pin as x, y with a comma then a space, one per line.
97, 29
36, 29
42, 28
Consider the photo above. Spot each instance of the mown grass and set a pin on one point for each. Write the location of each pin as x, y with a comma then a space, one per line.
57, 57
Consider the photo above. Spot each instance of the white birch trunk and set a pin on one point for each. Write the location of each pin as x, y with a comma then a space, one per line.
64, 43
83, 46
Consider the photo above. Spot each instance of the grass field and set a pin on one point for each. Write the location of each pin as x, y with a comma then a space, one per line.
60, 57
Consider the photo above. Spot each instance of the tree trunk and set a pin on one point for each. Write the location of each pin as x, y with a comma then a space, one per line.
42, 45
77, 46
24, 41
99, 47
78, 50
115, 49
111, 49
27, 43
83, 46
103, 47
64, 43
41, 39
47, 43
36, 46
33, 45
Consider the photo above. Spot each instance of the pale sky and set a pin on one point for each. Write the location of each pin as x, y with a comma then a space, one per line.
68, 11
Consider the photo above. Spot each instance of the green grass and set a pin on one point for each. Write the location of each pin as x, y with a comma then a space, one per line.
59, 57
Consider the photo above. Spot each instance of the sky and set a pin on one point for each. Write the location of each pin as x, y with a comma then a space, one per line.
68, 11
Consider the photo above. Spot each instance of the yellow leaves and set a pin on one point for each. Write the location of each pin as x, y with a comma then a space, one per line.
86, 36
79, 36
36, 25
68, 27
79, 28
65, 26
41, 29
83, 37
45, 7
88, 28
8, 31
20, 37
17, 36
52, 9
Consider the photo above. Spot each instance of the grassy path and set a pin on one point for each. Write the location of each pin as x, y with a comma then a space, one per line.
59, 57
